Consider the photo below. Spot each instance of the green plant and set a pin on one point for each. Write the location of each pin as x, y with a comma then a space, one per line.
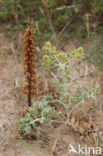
34, 119
17, 10
70, 13
56, 64
56, 61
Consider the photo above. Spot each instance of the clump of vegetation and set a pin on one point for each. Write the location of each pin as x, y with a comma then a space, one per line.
56, 63
58, 100
77, 17
31, 125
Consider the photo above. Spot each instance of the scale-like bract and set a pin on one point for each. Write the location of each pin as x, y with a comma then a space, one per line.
29, 56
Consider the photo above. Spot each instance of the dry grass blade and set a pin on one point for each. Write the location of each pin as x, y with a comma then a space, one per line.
45, 3
65, 27
54, 146
63, 7
87, 24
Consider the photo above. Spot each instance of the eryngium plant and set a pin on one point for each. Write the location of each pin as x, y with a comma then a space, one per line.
56, 63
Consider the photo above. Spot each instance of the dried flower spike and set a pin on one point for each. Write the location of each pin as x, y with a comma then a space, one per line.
29, 87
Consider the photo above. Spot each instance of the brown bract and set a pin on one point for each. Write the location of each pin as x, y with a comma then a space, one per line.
29, 56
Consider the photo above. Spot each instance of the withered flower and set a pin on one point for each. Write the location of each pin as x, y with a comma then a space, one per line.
29, 86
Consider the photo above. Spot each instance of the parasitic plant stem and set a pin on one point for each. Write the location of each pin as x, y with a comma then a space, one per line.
29, 86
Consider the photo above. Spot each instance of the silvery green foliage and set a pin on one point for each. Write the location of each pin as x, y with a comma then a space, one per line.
56, 63
29, 125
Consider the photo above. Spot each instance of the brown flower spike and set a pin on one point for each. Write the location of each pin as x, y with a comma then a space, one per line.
29, 86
